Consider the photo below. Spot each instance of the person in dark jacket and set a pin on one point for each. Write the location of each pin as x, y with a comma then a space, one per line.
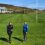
9, 30
25, 29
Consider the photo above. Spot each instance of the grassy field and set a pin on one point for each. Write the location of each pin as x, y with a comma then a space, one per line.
36, 31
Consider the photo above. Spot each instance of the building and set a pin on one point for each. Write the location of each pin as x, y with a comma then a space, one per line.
5, 10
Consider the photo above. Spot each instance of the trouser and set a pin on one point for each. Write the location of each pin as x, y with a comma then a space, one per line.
24, 35
10, 38
9, 34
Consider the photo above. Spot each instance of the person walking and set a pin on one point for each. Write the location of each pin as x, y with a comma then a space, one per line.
25, 30
9, 30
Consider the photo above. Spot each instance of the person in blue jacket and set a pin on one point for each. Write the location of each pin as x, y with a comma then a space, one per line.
25, 30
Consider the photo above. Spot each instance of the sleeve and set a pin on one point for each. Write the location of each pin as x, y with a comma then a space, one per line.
27, 28
11, 26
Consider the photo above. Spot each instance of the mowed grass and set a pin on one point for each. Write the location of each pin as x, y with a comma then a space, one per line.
36, 31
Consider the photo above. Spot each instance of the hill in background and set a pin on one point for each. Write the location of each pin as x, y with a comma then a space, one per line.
19, 9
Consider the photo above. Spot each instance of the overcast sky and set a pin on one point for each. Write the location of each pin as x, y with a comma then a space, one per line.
38, 4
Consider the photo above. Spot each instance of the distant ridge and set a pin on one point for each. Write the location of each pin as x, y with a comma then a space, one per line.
8, 6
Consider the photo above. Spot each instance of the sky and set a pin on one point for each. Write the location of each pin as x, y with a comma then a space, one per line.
38, 4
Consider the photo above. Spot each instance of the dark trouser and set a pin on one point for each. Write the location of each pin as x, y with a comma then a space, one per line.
10, 38
9, 34
24, 34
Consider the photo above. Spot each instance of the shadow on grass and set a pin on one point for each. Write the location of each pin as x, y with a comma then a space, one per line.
4, 39
18, 39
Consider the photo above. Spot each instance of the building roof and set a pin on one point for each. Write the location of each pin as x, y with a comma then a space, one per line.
3, 8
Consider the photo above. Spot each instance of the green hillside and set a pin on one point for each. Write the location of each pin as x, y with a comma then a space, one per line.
36, 31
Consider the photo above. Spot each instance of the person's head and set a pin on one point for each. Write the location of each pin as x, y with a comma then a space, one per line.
10, 23
25, 22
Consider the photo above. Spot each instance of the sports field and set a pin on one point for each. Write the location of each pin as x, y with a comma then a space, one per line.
36, 31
